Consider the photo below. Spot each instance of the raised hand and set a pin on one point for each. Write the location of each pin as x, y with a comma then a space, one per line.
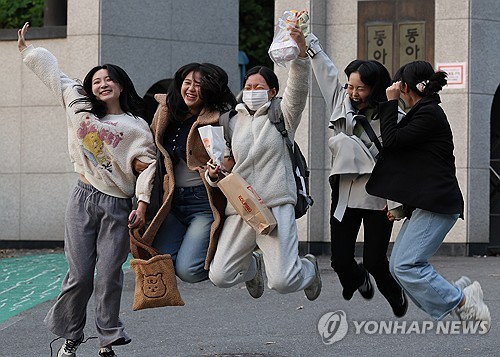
21, 42
393, 91
298, 36
303, 21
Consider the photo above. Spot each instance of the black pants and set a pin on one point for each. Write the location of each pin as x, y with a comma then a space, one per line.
377, 233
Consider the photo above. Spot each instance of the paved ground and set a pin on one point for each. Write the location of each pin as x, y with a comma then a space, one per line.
228, 322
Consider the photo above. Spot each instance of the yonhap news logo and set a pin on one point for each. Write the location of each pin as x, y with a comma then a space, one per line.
333, 327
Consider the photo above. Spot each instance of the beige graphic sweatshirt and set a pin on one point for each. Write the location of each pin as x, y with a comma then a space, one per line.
101, 149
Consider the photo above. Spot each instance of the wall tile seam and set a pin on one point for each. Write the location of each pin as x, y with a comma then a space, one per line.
451, 19
485, 94
348, 23
51, 172
75, 35
485, 19
169, 40
41, 106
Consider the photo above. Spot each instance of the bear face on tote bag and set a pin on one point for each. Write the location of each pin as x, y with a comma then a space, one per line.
155, 280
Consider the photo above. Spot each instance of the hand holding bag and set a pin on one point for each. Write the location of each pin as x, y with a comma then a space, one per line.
155, 280
214, 142
247, 203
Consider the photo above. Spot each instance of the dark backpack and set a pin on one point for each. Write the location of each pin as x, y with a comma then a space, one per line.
299, 163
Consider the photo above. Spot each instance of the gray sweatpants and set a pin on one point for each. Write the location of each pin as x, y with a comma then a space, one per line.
233, 262
96, 238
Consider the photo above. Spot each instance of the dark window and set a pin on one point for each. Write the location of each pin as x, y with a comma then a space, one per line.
48, 18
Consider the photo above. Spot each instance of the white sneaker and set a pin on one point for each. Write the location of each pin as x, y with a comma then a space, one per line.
255, 286
474, 308
462, 283
68, 349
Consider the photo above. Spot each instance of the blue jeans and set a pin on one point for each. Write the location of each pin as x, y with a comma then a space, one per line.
417, 241
185, 233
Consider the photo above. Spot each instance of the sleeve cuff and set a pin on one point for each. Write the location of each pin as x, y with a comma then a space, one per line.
209, 180
313, 45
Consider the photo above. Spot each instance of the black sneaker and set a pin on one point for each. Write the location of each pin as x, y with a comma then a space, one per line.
401, 309
312, 291
366, 289
68, 349
106, 352
255, 286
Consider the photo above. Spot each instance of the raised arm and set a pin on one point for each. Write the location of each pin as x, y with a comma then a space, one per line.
297, 85
326, 73
45, 65
21, 41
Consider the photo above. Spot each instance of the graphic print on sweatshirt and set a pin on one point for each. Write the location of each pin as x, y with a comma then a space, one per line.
95, 138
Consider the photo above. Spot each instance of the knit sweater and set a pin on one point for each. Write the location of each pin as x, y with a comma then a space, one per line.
101, 149
260, 152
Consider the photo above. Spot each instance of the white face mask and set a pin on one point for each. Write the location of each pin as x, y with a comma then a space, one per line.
254, 99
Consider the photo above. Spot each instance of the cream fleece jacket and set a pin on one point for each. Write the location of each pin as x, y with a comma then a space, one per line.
259, 150
101, 149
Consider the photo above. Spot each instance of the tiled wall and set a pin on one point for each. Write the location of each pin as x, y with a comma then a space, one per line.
150, 39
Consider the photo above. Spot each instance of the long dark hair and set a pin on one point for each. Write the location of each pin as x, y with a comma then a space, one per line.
269, 76
130, 101
417, 72
214, 90
373, 74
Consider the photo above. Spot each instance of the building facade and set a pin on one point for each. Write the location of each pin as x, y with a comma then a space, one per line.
462, 39
151, 39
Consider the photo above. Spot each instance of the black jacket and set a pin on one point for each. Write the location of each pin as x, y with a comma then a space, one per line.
417, 167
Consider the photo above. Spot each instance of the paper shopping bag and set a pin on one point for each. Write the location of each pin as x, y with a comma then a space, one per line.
247, 203
214, 142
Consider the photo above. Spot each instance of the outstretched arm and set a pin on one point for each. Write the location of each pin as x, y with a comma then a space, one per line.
21, 41
298, 36
326, 73
45, 65
297, 85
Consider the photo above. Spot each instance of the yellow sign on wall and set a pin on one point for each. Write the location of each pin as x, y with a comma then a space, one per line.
380, 43
411, 42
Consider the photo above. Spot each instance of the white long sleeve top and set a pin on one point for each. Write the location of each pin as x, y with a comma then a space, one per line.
260, 152
103, 149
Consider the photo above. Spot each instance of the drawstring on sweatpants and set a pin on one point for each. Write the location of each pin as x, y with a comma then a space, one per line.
87, 200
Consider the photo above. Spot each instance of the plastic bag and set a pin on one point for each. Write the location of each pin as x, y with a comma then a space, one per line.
214, 142
283, 48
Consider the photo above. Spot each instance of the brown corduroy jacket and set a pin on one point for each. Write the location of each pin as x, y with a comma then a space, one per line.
197, 158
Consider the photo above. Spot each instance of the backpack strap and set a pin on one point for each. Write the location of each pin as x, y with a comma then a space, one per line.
276, 117
224, 122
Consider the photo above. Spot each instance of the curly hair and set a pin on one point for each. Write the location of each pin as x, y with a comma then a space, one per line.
214, 90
